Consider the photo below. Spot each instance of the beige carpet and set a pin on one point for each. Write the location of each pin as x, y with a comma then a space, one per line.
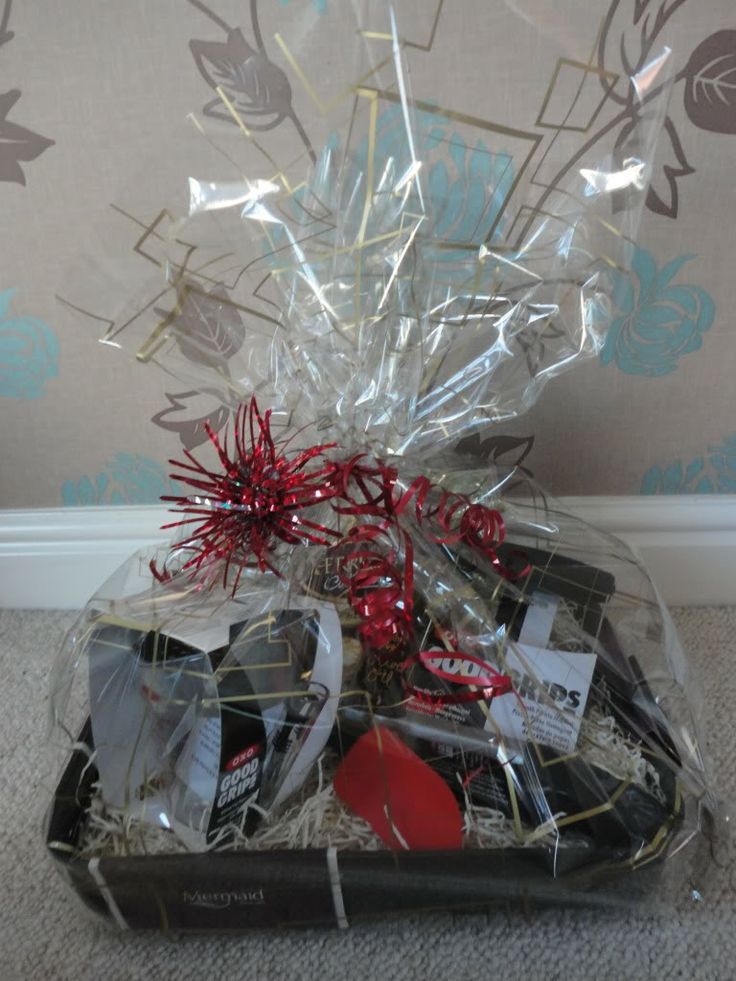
44, 935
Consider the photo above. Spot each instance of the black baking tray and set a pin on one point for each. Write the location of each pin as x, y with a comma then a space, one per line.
231, 891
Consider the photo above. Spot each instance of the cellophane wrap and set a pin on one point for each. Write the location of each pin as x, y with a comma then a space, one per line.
359, 639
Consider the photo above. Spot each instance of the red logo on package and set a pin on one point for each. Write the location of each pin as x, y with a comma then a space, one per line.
243, 756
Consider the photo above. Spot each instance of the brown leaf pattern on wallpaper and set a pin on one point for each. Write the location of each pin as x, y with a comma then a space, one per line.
5, 34
259, 90
664, 196
510, 451
187, 414
508, 454
710, 86
17, 143
630, 38
630, 31
207, 326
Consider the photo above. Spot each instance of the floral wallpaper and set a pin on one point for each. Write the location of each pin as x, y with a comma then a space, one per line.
658, 319
29, 353
128, 478
714, 472
85, 427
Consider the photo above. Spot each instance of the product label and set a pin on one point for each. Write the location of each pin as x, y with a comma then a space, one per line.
236, 788
550, 693
215, 787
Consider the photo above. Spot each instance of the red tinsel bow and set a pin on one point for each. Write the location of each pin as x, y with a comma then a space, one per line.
259, 496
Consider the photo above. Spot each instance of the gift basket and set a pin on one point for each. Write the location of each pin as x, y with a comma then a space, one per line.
371, 674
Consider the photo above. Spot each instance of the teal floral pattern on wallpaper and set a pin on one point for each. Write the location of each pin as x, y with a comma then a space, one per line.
319, 5
658, 320
712, 473
29, 353
466, 183
126, 479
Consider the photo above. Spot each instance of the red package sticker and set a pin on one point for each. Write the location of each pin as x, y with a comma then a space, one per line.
405, 802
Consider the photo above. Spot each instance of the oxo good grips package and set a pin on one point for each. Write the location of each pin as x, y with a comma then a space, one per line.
188, 732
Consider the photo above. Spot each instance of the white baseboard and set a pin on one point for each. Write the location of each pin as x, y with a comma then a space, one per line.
55, 559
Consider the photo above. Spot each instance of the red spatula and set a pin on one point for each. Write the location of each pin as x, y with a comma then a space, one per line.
405, 802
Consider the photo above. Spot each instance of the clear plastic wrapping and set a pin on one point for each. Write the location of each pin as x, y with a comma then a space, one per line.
358, 641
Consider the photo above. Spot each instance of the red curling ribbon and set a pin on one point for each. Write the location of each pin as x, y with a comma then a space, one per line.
381, 592
375, 482
479, 527
486, 685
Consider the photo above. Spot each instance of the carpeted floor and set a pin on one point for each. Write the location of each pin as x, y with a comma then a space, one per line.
44, 936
